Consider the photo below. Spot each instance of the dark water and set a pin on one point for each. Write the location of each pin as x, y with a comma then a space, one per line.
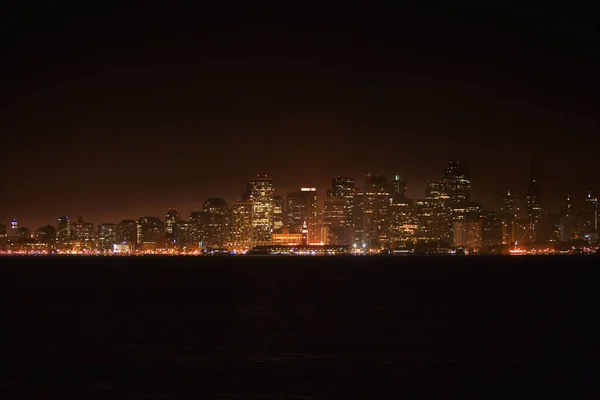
163, 328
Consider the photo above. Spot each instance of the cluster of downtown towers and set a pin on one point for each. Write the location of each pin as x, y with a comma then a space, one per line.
375, 215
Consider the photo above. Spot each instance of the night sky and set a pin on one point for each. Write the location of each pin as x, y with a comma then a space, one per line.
131, 111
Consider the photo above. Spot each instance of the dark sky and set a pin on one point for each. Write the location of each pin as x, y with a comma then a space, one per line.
130, 111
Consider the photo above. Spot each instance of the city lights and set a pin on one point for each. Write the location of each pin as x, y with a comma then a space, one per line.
375, 218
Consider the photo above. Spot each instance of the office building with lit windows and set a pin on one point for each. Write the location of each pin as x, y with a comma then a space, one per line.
241, 225
171, 218
260, 192
375, 211
278, 213
217, 228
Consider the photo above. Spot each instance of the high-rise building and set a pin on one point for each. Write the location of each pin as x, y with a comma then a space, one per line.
199, 221
534, 213
335, 218
260, 192
127, 232
241, 225
171, 218
492, 225
403, 223
278, 213
3, 230
343, 187
588, 219
358, 220
14, 227
509, 208
375, 211
566, 221
458, 184
63, 230
82, 231
217, 229
107, 236
150, 229
509, 215
398, 189
438, 200
468, 234
302, 208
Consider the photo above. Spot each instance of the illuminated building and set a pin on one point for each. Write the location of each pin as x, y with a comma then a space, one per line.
217, 229
14, 227
46, 234
63, 230
358, 217
438, 201
398, 189
260, 192
566, 221
150, 229
509, 214
171, 218
199, 221
492, 229
2, 230
458, 184
183, 232
302, 208
83, 232
467, 234
287, 238
375, 211
336, 227
587, 222
127, 232
427, 228
278, 213
107, 236
534, 213
552, 234
404, 224
241, 225
344, 187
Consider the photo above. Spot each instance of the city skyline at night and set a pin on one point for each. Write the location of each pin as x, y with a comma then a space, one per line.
372, 212
127, 113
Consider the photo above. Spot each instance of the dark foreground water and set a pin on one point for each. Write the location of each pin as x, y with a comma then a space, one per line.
261, 327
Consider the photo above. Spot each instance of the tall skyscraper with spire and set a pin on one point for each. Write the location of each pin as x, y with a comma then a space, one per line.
534, 213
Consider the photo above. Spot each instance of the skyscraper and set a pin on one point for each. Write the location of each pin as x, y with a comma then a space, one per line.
278, 213
260, 192
343, 187
127, 232
107, 236
398, 189
375, 209
171, 218
217, 233
509, 216
14, 227
534, 213
241, 225
566, 221
150, 229
63, 230
458, 184
2, 230
302, 208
